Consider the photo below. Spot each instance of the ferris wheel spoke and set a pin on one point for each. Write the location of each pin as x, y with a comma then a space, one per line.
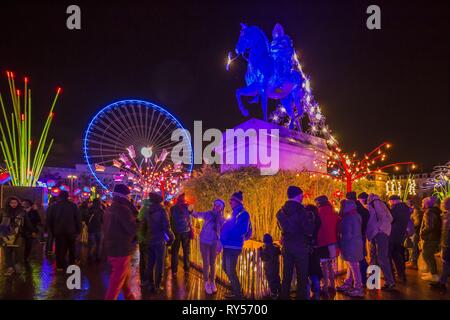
110, 136
124, 118
166, 145
111, 126
102, 137
150, 138
163, 132
116, 122
129, 116
157, 130
141, 130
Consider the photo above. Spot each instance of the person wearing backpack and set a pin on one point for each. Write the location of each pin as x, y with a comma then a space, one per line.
94, 222
234, 232
297, 227
13, 220
378, 231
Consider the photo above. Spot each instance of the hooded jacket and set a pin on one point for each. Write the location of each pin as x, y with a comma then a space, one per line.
120, 227
351, 240
296, 226
63, 218
401, 217
180, 219
380, 218
236, 229
431, 225
155, 225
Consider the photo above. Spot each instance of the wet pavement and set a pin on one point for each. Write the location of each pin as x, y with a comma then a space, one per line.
41, 281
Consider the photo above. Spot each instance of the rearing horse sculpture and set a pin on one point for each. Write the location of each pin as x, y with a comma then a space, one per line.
271, 71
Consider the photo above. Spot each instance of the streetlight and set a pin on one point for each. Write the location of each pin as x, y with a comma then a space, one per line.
71, 177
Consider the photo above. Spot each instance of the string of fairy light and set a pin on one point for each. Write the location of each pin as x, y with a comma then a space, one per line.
24, 163
317, 120
350, 168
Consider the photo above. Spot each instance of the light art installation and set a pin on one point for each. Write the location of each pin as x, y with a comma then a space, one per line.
24, 161
349, 168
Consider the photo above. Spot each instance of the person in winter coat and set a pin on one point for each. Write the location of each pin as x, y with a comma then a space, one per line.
296, 228
50, 238
378, 232
314, 270
401, 217
94, 223
445, 247
143, 250
12, 222
430, 234
351, 244
270, 255
64, 222
234, 232
180, 222
416, 218
120, 235
327, 242
364, 213
210, 243
31, 230
156, 232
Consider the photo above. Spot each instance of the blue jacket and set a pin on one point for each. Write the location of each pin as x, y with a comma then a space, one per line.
236, 229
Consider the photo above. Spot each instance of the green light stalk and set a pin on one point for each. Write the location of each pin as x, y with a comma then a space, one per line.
23, 162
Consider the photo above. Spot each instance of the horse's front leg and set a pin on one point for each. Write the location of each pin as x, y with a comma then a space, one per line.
264, 103
250, 91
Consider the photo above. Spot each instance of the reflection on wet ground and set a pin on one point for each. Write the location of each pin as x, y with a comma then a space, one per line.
40, 281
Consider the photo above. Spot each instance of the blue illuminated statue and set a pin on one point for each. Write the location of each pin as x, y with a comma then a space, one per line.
272, 71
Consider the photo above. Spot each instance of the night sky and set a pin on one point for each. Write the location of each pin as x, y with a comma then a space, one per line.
390, 84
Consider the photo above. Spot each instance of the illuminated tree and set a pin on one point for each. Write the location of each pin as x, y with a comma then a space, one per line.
350, 168
24, 162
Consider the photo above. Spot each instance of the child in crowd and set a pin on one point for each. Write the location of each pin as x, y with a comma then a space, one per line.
270, 255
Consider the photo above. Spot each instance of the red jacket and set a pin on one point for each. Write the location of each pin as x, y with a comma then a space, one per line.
328, 226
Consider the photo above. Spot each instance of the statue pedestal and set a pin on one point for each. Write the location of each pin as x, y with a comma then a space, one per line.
297, 151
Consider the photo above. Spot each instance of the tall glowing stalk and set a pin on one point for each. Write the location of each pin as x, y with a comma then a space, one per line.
22, 162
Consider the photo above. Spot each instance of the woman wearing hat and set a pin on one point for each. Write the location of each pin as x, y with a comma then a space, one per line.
234, 232
209, 242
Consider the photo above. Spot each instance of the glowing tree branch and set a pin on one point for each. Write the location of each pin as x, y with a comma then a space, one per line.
22, 162
349, 168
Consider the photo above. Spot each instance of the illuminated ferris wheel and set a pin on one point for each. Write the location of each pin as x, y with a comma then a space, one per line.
134, 136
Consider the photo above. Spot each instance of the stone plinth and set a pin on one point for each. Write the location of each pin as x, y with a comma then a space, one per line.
296, 151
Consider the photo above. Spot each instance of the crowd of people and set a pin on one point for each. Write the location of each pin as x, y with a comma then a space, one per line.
364, 231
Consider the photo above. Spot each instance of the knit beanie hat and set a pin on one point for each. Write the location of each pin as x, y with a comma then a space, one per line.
155, 197
351, 195
321, 200
267, 238
363, 196
238, 196
294, 191
121, 189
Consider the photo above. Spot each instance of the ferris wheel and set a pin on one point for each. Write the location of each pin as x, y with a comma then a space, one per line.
134, 136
